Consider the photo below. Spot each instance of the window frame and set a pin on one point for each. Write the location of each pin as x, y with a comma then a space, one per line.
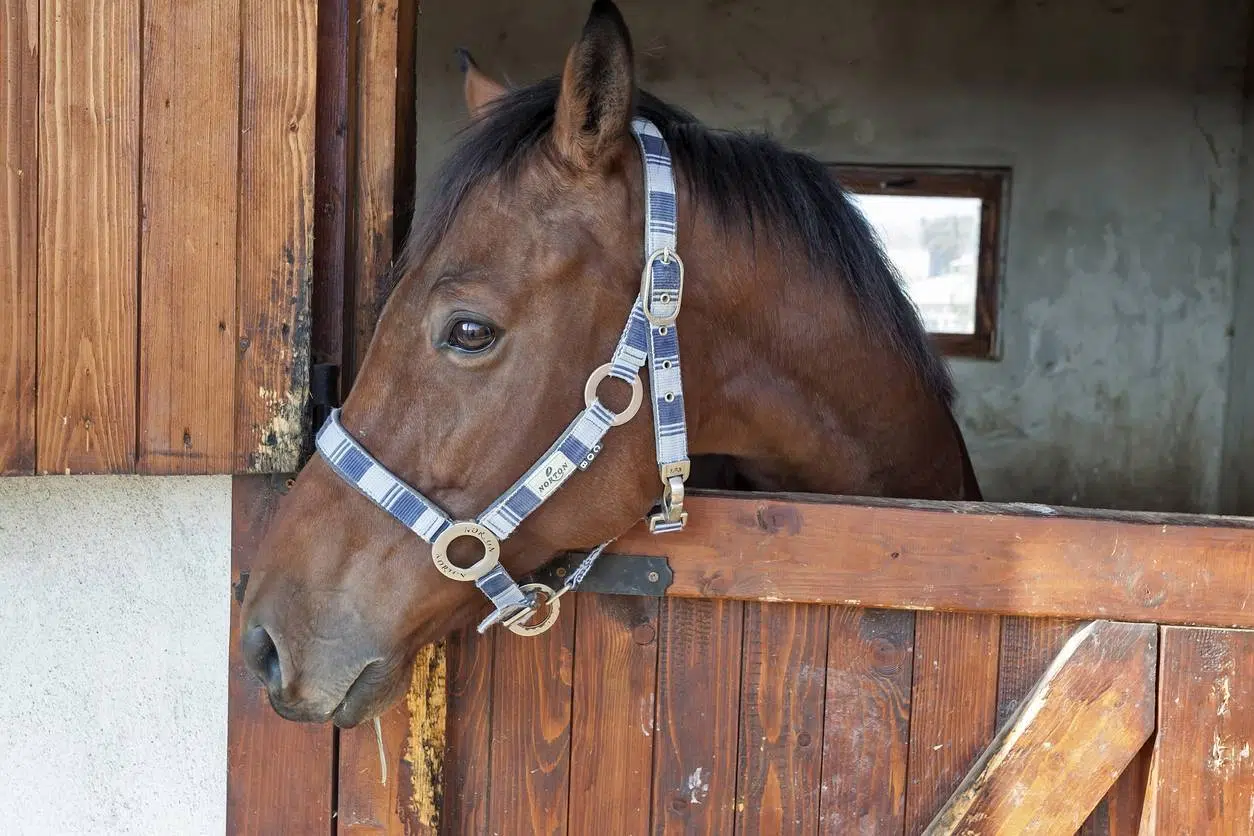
991, 185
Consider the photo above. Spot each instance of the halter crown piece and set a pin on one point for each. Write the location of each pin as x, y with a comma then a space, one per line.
650, 336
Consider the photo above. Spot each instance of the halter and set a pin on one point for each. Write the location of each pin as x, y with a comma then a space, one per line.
650, 336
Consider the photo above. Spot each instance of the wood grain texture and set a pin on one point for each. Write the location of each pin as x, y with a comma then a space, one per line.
971, 557
279, 773
88, 211
365, 804
611, 757
276, 213
953, 706
1124, 803
866, 724
694, 765
468, 762
188, 236
371, 232
1067, 742
781, 718
19, 201
530, 774
330, 187
1203, 782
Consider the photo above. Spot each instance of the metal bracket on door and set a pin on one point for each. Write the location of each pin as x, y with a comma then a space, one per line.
612, 574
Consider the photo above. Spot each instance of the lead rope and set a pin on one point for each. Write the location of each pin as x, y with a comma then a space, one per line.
649, 336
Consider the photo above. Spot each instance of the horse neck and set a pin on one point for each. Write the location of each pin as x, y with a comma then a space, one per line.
787, 381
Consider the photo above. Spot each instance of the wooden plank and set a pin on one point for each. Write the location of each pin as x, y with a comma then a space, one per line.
19, 64
468, 763
279, 773
530, 775
330, 188
88, 211
188, 236
781, 718
371, 234
611, 758
694, 755
953, 706
866, 725
1203, 781
276, 211
1068, 741
1126, 800
975, 557
1028, 646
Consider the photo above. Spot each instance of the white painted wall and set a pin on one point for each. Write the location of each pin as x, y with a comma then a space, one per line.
114, 620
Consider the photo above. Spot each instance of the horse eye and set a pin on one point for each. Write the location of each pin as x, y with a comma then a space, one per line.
471, 336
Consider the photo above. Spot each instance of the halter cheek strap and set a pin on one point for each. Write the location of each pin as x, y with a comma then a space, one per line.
649, 337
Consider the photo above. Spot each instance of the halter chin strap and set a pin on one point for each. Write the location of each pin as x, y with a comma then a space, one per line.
650, 336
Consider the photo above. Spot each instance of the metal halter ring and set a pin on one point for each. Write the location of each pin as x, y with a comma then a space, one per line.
475, 531
545, 598
637, 394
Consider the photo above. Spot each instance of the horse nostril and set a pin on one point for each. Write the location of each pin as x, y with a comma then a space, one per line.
262, 658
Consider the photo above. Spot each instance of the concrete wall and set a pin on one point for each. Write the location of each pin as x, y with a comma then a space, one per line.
114, 608
1122, 122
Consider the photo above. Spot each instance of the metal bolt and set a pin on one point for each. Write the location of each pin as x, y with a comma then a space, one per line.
653, 577
561, 571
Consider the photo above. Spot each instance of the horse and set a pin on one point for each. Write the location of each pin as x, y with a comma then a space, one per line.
805, 368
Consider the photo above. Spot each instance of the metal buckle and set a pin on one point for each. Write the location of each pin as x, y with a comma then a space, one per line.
637, 394
449, 569
664, 255
672, 514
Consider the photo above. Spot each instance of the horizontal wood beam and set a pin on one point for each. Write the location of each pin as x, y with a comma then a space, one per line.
970, 557
1068, 742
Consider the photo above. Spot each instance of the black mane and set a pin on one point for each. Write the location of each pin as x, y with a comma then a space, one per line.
744, 179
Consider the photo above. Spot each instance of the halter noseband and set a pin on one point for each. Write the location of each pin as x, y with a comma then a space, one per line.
650, 336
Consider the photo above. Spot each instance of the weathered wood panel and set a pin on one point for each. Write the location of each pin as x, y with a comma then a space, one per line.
467, 767
276, 212
953, 706
1203, 781
973, 557
781, 718
88, 215
371, 233
279, 773
366, 801
611, 758
866, 725
1067, 742
188, 236
331, 183
19, 128
694, 763
531, 688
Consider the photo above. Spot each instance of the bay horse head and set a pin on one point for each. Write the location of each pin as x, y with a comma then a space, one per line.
577, 229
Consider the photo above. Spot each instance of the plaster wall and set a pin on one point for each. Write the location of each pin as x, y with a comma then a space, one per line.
114, 622
1121, 122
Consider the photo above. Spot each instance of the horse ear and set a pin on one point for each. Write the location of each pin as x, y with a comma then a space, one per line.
597, 98
481, 91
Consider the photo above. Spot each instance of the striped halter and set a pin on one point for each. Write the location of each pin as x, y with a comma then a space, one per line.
649, 337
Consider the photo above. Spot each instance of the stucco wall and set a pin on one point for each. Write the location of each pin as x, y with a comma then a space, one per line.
1121, 122
114, 608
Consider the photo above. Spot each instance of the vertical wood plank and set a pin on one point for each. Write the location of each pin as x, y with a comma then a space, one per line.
468, 764
331, 164
698, 706
1028, 645
866, 726
279, 773
1124, 803
611, 760
781, 718
276, 211
364, 803
88, 209
374, 169
188, 236
19, 65
530, 776
1204, 777
953, 706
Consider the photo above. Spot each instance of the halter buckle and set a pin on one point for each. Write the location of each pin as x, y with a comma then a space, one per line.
665, 255
672, 516
516, 622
